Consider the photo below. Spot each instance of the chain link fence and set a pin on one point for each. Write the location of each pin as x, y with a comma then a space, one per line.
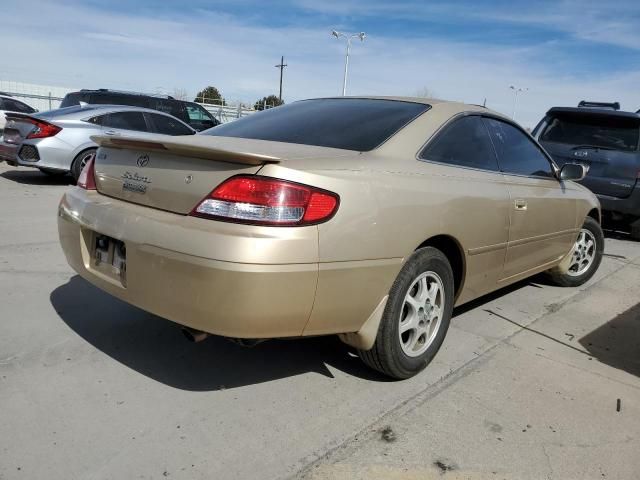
41, 97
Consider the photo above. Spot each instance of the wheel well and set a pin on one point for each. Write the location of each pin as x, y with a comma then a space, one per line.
84, 150
595, 214
454, 253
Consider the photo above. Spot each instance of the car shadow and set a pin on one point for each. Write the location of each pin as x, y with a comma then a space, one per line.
156, 348
617, 342
36, 177
536, 282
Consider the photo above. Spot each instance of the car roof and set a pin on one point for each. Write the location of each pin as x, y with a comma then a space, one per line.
605, 112
450, 106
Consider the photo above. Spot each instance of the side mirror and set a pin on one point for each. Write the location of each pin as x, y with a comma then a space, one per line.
573, 171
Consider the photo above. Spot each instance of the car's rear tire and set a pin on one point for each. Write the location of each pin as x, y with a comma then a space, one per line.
584, 259
416, 317
80, 161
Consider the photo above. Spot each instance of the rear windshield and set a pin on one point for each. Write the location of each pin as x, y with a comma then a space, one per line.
346, 123
73, 99
602, 131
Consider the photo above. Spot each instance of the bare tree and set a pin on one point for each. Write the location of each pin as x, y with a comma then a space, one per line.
180, 93
425, 92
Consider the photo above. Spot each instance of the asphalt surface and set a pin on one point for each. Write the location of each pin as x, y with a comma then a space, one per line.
526, 385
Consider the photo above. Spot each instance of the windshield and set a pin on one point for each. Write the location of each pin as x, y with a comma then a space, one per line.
594, 130
346, 123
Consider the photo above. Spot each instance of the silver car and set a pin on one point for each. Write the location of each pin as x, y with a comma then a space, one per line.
58, 141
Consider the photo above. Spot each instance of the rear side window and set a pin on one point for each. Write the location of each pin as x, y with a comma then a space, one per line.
99, 120
464, 143
601, 131
126, 121
168, 126
517, 153
118, 99
346, 123
174, 108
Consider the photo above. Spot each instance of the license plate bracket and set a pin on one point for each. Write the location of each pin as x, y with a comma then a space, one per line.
110, 256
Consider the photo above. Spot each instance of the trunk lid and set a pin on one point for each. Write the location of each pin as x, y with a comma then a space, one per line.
176, 173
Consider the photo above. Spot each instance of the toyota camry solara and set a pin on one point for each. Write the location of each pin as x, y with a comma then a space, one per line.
370, 218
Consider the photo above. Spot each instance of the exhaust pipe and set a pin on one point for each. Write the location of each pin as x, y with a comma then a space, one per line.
194, 335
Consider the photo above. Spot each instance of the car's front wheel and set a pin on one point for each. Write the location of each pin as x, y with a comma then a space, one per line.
416, 317
584, 258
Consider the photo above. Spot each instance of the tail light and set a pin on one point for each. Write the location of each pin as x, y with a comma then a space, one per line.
42, 129
87, 178
267, 201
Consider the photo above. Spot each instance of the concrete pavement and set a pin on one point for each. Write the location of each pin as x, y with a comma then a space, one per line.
92, 388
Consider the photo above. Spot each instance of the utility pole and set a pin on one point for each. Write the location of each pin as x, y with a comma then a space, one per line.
281, 67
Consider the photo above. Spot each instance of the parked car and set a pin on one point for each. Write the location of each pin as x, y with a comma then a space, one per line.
369, 218
8, 104
605, 140
59, 141
190, 113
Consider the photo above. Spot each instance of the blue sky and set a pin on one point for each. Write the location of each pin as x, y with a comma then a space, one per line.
563, 51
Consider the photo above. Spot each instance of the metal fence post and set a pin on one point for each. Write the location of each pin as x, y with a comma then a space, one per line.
49, 100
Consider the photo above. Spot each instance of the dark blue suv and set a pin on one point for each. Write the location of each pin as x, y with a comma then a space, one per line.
605, 140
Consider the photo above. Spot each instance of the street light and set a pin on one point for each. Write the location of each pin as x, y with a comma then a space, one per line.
516, 91
348, 37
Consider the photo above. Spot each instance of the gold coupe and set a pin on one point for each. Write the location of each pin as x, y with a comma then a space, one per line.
366, 217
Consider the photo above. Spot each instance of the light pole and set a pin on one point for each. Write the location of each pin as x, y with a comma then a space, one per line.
348, 37
516, 91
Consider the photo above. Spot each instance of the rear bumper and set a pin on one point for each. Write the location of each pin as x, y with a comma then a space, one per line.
52, 153
8, 153
207, 275
625, 206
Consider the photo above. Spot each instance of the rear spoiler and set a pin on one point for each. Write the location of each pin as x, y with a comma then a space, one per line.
18, 115
194, 146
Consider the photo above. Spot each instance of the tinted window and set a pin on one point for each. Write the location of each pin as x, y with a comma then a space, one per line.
99, 120
172, 107
465, 143
169, 126
15, 106
516, 152
126, 121
593, 130
348, 123
71, 99
118, 99
199, 118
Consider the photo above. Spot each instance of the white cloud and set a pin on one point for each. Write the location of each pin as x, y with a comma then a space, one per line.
74, 44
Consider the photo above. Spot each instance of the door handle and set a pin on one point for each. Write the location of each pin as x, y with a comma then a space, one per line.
110, 132
520, 204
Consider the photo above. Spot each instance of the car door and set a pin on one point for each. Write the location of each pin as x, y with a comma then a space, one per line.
474, 199
167, 125
125, 123
542, 212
